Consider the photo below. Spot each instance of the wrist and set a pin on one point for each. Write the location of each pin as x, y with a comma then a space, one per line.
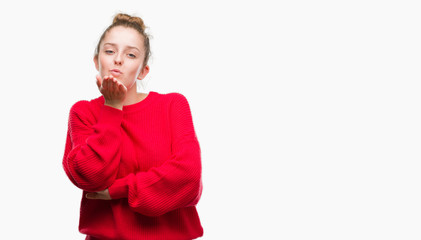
114, 105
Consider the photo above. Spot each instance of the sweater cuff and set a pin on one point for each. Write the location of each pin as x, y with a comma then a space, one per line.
119, 189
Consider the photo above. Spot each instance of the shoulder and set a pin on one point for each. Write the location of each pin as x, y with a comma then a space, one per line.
87, 107
178, 104
175, 103
169, 100
174, 97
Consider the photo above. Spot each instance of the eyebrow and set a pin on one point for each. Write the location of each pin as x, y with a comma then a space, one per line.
115, 45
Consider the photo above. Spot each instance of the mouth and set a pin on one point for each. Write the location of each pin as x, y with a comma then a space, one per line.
116, 72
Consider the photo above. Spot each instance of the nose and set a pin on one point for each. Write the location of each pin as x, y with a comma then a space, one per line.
118, 60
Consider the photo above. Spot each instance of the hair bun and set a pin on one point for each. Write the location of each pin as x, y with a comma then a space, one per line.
125, 18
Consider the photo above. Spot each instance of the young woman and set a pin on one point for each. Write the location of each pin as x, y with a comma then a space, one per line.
135, 155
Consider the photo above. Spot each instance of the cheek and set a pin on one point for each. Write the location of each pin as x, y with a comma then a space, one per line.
102, 62
135, 69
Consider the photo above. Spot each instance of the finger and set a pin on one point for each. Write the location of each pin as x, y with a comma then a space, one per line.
110, 85
122, 88
91, 195
98, 81
102, 192
115, 85
106, 83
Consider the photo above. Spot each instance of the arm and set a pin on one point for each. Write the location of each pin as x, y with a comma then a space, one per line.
92, 152
176, 183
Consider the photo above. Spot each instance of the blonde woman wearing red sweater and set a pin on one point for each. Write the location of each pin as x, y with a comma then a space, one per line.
135, 155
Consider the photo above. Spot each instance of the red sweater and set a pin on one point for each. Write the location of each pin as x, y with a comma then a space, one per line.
148, 157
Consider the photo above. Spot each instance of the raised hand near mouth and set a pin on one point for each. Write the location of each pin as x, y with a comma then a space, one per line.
113, 91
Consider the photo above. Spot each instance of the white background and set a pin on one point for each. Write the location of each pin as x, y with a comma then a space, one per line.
307, 112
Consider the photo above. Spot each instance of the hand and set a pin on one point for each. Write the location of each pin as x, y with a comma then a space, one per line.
113, 91
101, 195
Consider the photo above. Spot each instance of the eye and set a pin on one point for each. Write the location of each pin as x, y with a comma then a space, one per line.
132, 55
109, 51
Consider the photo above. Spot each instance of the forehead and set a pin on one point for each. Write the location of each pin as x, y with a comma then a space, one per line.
124, 36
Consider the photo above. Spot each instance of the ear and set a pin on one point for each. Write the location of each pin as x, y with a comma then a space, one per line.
143, 73
96, 62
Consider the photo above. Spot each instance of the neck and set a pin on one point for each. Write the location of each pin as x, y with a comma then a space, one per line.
133, 96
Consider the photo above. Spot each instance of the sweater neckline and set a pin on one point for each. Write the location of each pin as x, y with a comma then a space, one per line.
139, 105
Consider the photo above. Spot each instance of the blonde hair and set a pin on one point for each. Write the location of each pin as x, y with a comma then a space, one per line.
125, 20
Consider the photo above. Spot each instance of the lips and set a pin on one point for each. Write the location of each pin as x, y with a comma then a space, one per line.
116, 72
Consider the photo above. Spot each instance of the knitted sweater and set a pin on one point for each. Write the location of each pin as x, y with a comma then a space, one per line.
148, 157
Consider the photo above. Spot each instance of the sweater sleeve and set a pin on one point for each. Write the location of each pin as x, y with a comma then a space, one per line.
176, 183
92, 152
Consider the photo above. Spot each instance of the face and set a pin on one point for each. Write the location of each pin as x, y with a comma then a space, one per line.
121, 55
